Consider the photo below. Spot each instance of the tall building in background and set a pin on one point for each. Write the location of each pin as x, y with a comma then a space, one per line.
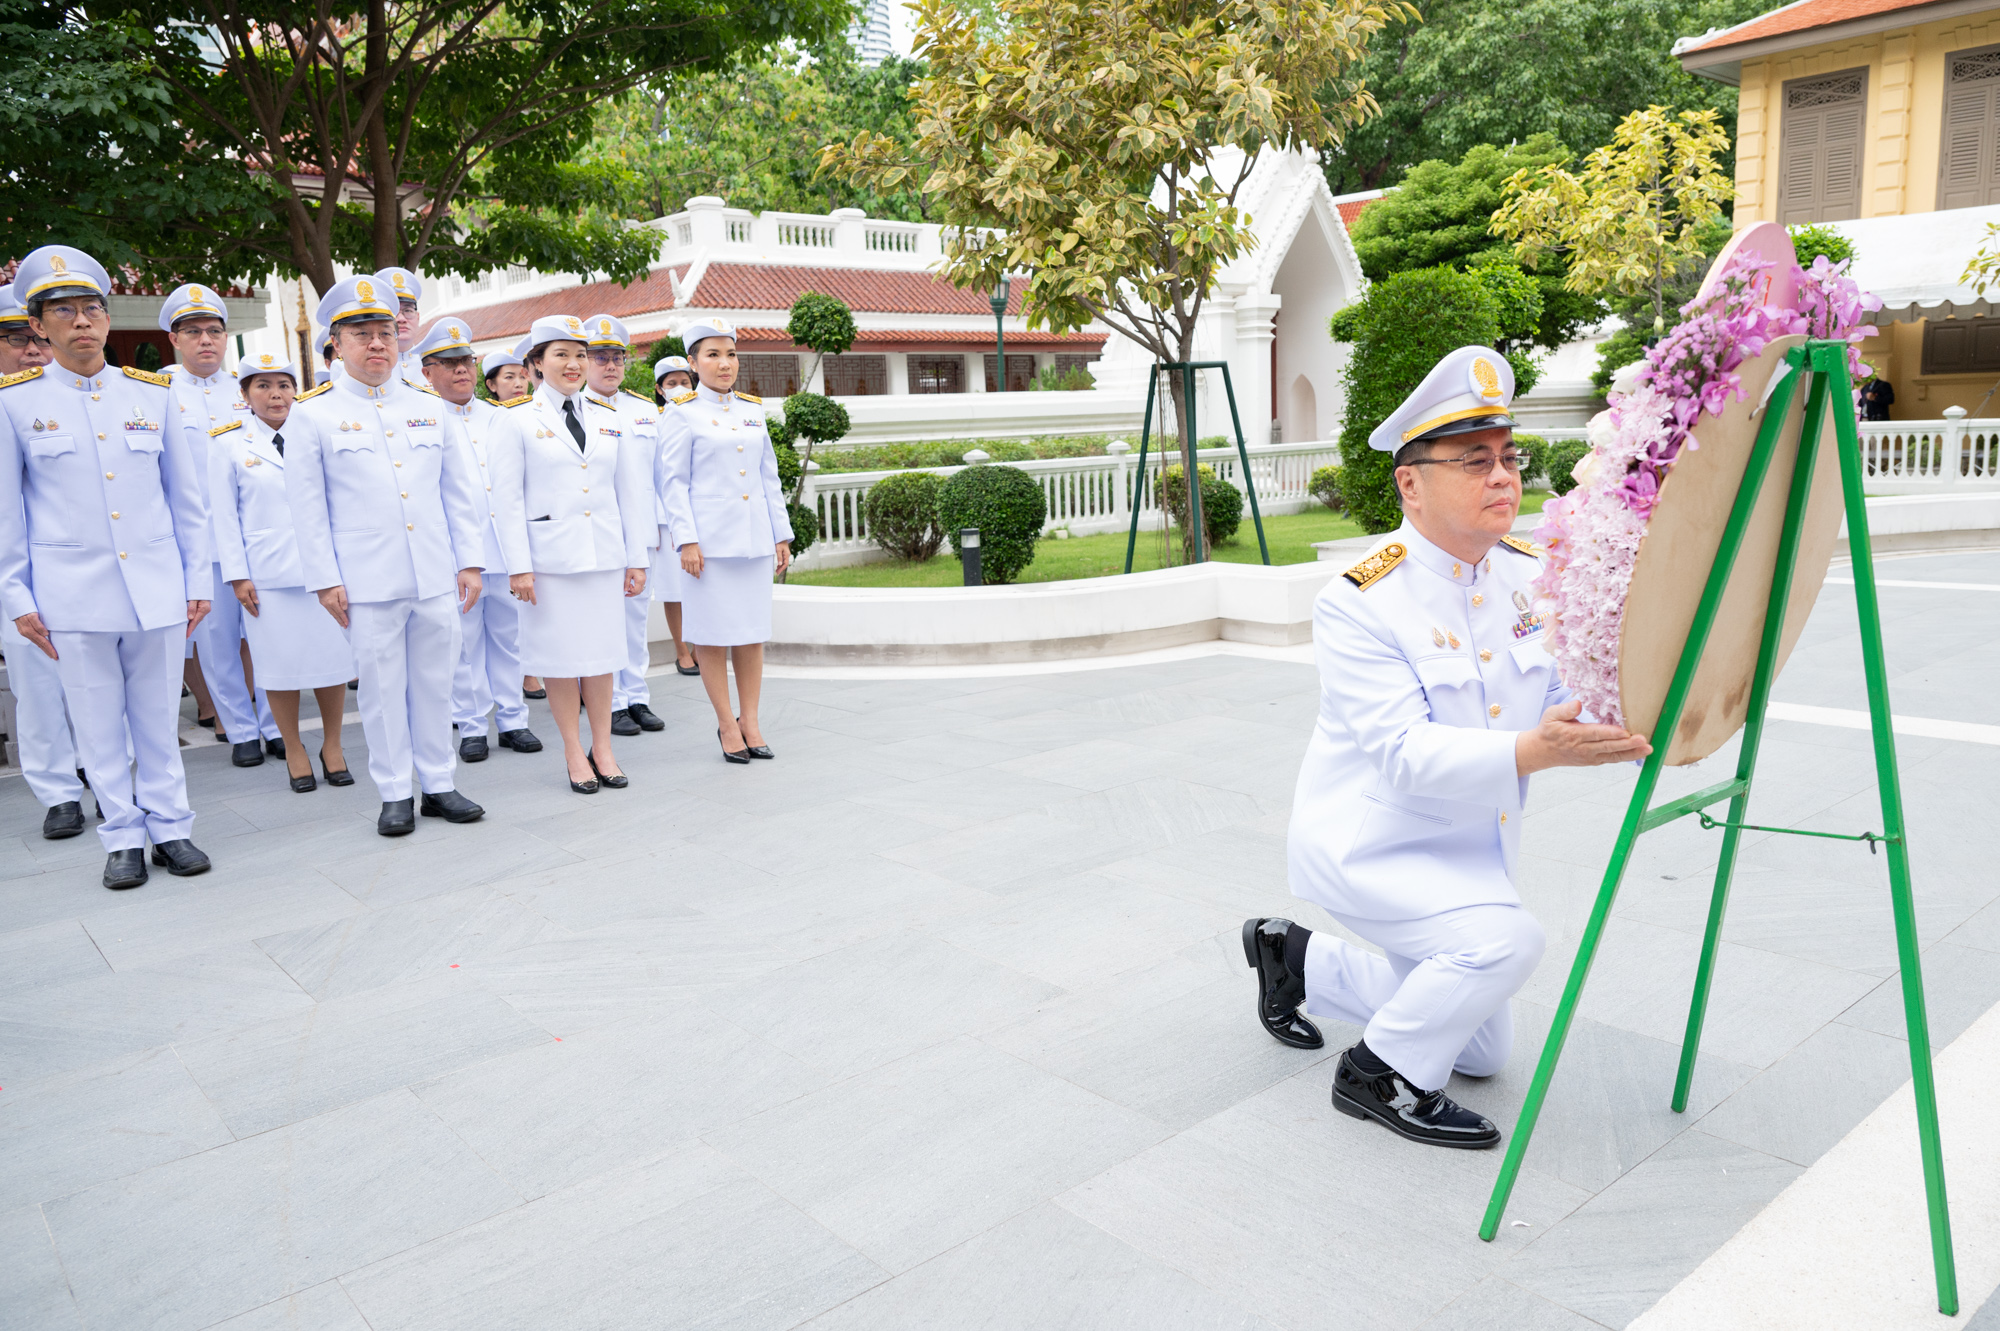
869, 33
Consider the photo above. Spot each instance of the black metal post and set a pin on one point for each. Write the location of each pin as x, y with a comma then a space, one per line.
968, 556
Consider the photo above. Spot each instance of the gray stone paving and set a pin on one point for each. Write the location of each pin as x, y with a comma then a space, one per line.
938, 1020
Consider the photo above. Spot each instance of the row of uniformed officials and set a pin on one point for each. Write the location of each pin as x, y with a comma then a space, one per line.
387, 527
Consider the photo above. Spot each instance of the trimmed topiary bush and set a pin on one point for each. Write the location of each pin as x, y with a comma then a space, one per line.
1563, 458
1007, 507
805, 526
1325, 487
903, 514
1407, 323
1221, 502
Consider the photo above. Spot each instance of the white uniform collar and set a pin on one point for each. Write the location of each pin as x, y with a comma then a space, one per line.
1450, 567
554, 396
369, 392
607, 400
185, 375
89, 383
457, 410
707, 394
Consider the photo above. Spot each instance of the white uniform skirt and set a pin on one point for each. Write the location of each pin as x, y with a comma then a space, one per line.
665, 583
729, 605
576, 627
294, 642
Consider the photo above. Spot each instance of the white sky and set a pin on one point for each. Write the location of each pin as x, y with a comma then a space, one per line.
902, 27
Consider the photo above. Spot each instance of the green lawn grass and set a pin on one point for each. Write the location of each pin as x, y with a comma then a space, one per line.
1291, 538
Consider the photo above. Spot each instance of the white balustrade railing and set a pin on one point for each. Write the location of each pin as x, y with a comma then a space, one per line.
1083, 495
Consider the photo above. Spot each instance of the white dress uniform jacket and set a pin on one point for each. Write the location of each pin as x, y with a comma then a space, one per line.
477, 422
382, 499
639, 418
718, 476
251, 512
103, 525
203, 405
559, 510
1409, 801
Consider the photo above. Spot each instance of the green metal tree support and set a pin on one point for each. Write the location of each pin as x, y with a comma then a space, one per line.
1824, 366
1187, 369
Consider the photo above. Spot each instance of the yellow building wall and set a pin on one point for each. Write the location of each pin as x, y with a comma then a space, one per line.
1899, 169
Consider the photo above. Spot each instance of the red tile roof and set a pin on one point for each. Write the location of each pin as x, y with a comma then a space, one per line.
122, 284
1801, 16
740, 286
1350, 210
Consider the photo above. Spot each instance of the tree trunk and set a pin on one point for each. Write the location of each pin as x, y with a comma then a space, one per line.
1192, 535
386, 232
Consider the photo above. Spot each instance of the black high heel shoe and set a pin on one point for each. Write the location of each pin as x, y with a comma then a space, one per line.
303, 784
584, 787
618, 782
341, 778
754, 750
740, 756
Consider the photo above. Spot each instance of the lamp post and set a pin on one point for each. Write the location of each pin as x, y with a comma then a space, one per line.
999, 303
968, 556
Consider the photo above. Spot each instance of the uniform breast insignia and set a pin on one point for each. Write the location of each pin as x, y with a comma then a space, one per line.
615, 434
1437, 636
225, 429
753, 422
421, 423
20, 377
682, 399
517, 401
1528, 623
1528, 548
314, 392
1452, 638
751, 397
145, 376
1377, 566
253, 461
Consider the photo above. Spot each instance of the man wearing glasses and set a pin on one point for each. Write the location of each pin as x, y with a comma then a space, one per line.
41, 719
205, 399
388, 529
1437, 700
104, 556
636, 420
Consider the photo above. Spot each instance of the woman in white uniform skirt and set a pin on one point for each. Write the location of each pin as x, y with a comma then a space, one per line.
294, 643
726, 516
671, 375
573, 511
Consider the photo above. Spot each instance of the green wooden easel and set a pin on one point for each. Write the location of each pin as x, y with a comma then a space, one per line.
1824, 364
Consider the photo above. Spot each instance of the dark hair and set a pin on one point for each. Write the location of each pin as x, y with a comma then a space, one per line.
1414, 451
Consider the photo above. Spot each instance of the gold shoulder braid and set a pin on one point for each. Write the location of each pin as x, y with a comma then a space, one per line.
225, 429
326, 387
21, 376
751, 397
679, 398
145, 376
1376, 567
517, 401
1528, 548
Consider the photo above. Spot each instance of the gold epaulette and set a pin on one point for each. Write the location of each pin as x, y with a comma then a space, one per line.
1528, 548
517, 401
314, 392
423, 388
637, 397
225, 429
751, 397
21, 376
680, 399
1376, 567
145, 376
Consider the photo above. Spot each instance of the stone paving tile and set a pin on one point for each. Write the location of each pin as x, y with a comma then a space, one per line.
34, 1293
321, 1308
417, 941
50, 954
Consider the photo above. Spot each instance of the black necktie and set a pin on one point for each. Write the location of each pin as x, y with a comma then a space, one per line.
278, 442
575, 425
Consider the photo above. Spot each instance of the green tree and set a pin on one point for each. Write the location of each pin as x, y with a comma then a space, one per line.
417, 132
1502, 71
752, 131
1082, 144
1400, 331
1637, 212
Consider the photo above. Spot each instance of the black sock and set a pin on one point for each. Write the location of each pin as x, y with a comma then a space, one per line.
1296, 938
1367, 1062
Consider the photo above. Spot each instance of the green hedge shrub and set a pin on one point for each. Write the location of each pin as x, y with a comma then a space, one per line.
1221, 502
1007, 507
903, 514
805, 526
1536, 466
1406, 324
1563, 457
1325, 487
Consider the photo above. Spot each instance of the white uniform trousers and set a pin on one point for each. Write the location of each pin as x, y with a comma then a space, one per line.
489, 663
406, 651
117, 683
41, 721
629, 684
1439, 1000
238, 715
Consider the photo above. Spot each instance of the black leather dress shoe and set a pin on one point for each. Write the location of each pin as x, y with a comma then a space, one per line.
1279, 990
694, 669
274, 748
249, 753
180, 858
450, 806
622, 722
63, 821
646, 717
520, 741
398, 818
125, 868
536, 694
473, 748
1430, 1117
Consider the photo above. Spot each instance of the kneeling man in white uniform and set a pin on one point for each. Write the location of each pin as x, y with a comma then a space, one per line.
1437, 700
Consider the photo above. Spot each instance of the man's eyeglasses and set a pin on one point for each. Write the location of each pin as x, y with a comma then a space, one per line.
608, 358
22, 341
89, 311
1478, 462
201, 332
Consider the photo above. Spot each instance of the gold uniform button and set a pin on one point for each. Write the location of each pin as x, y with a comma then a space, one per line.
1494, 710
746, 497
1477, 599
399, 464
1486, 653
109, 477
390, 433
121, 554
409, 526
742, 471
739, 448
489, 489
406, 494
114, 512
100, 434
1503, 818
586, 512
95, 396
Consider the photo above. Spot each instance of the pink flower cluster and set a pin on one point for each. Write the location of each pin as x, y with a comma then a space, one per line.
1593, 533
